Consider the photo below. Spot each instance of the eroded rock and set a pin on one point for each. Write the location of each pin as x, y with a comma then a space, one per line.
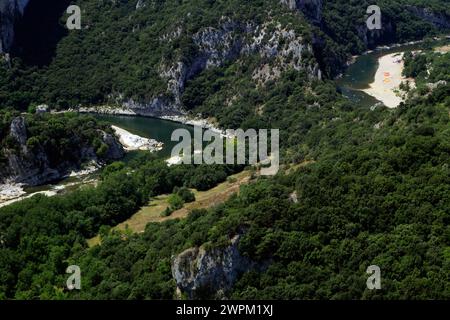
199, 272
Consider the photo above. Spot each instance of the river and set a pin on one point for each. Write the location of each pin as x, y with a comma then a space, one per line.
362, 71
358, 76
158, 129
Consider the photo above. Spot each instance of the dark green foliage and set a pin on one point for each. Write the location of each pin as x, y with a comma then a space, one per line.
132, 45
416, 66
185, 194
175, 201
365, 195
61, 137
40, 233
384, 202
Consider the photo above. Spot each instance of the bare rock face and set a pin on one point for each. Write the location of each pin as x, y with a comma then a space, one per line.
214, 46
373, 38
439, 19
158, 106
229, 41
18, 130
31, 165
140, 4
198, 272
115, 149
310, 8
25, 166
10, 11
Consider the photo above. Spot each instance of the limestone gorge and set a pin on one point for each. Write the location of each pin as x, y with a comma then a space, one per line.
214, 46
361, 183
31, 161
187, 48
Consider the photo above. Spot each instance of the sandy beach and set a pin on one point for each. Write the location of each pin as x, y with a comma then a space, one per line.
132, 142
387, 80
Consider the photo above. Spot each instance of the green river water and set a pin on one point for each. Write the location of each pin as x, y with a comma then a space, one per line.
158, 129
362, 72
357, 76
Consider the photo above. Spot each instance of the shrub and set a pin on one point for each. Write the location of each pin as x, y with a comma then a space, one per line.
186, 195
167, 212
175, 201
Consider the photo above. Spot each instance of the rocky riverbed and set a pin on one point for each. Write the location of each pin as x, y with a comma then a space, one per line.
131, 142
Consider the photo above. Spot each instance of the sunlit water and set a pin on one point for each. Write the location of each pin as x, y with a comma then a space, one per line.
362, 72
357, 76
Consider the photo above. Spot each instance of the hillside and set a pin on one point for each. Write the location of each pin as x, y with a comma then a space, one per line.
381, 198
373, 187
384, 201
40, 148
147, 51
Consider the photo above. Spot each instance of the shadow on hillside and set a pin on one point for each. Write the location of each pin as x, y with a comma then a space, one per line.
39, 31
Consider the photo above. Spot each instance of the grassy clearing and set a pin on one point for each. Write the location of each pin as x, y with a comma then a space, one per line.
212, 197
443, 49
203, 199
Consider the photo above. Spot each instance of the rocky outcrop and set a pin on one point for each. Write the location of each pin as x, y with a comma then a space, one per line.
10, 11
23, 165
199, 272
140, 4
312, 9
18, 130
373, 38
282, 47
115, 149
30, 164
213, 46
438, 19
285, 50
157, 107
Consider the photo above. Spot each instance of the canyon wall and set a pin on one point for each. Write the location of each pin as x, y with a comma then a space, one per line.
10, 11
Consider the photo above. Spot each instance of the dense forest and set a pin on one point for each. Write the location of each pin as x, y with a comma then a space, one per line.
123, 49
38, 148
381, 197
69, 133
39, 235
357, 186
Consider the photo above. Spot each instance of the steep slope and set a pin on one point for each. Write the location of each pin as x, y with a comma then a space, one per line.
39, 31
44, 148
147, 51
375, 190
384, 201
377, 193
10, 12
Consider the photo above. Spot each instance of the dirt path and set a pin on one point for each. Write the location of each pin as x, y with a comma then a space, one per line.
443, 49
